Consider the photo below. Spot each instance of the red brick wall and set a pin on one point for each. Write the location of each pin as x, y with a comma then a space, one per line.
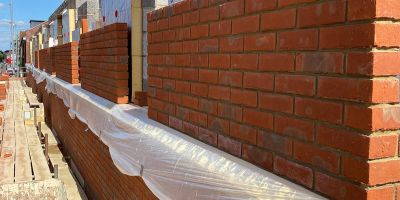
67, 62
42, 57
37, 61
104, 61
91, 157
303, 88
50, 61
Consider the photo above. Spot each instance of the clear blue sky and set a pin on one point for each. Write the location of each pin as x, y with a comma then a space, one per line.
24, 10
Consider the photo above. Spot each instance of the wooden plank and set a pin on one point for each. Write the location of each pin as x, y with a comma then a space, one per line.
40, 167
23, 171
32, 100
7, 156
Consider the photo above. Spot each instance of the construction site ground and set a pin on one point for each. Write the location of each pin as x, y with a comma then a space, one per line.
32, 165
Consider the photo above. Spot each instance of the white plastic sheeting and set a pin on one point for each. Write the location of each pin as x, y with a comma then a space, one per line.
114, 11
173, 165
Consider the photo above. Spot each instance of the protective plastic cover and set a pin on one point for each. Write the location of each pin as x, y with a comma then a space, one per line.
114, 11
173, 165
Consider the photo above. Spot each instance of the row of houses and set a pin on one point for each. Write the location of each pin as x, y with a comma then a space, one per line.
75, 17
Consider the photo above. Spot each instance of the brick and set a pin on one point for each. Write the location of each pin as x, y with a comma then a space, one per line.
231, 44
168, 35
244, 97
221, 28
208, 45
208, 76
181, 7
175, 123
273, 20
174, 73
258, 118
274, 142
306, 39
209, 14
199, 89
198, 4
199, 31
360, 9
230, 111
232, 9
190, 129
183, 33
336, 188
259, 42
230, 78
218, 125
385, 192
322, 13
315, 156
384, 35
296, 84
317, 109
297, 128
244, 61
208, 137
261, 81
375, 117
260, 157
198, 118
351, 36
205, 105
372, 172
190, 74
190, 102
231, 146
248, 24
219, 93
199, 60
191, 46
276, 102
168, 84
370, 147
364, 90
243, 132
373, 63
320, 62
293, 171
259, 5
276, 62
175, 47
191, 17
182, 60
220, 61
175, 21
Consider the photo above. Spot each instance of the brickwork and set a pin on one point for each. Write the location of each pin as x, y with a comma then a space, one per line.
49, 64
42, 58
67, 62
36, 61
91, 157
303, 88
104, 61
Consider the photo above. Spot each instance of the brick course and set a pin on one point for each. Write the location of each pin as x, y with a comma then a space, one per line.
306, 89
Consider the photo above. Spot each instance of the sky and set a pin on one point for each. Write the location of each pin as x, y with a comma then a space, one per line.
24, 10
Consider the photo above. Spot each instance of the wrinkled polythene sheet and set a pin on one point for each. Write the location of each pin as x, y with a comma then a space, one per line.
173, 165
114, 11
